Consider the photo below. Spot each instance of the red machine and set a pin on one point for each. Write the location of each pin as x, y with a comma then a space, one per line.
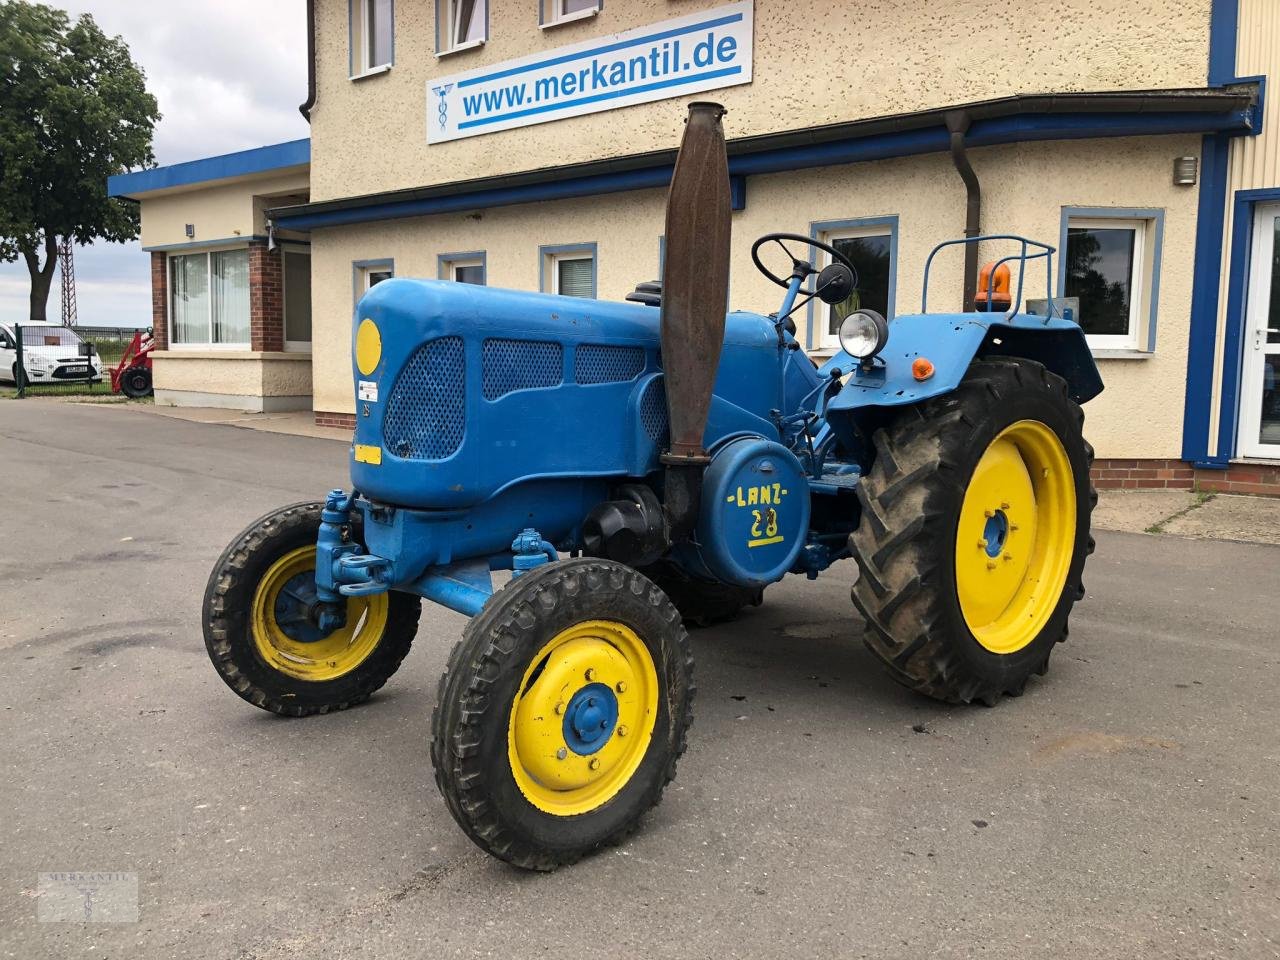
132, 375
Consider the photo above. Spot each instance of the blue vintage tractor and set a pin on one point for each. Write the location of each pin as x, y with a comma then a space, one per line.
641, 465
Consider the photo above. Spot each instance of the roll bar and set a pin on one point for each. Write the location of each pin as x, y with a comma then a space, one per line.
1043, 250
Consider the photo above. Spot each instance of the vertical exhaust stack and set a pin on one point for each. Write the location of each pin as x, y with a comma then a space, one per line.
695, 287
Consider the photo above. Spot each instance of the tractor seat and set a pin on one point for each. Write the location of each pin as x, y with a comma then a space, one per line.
649, 293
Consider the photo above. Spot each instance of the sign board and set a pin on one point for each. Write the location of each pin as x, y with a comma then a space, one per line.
690, 54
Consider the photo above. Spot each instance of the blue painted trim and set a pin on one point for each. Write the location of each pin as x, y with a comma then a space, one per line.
826, 226
202, 244
279, 156
738, 193
596, 51
599, 97
357, 267
1243, 213
445, 259
1154, 214
545, 253
1206, 276
909, 143
1224, 18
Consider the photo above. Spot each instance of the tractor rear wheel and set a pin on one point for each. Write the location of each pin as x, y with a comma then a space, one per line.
974, 533
262, 641
701, 602
562, 713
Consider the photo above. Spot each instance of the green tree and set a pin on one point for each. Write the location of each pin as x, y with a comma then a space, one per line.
74, 109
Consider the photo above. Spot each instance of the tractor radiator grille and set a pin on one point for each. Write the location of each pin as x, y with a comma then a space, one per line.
607, 363
511, 365
653, 411
426, 412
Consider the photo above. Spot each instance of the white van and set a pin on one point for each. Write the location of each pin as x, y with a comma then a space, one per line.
50, 354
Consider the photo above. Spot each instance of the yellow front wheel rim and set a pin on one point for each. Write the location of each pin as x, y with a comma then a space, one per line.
289, 647
582, 719
1015, 537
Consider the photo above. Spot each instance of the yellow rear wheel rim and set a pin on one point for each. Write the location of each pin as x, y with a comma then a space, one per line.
1015, 536
326, 658
598, 662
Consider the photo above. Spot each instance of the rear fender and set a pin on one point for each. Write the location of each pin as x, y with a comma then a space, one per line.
952, 342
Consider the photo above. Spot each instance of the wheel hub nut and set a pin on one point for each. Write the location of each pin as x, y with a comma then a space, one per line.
621, 686
590, 674
595, 763
561, 753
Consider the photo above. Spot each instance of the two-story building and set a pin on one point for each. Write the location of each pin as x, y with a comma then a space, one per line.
528, 144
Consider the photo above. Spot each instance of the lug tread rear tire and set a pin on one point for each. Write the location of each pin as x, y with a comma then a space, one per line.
903, 546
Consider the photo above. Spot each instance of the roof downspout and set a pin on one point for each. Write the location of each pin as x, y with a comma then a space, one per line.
957, 126
305, 108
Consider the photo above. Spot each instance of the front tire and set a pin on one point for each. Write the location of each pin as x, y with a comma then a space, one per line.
135, 383
267, 652
563, 712
974, 533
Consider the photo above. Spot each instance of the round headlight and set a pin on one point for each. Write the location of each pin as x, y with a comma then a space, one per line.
863, 334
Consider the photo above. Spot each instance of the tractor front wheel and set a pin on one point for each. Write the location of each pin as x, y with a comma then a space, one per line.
262, 640
563, 712
135, 382
974, 533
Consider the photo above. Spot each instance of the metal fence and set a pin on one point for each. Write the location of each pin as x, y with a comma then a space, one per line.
38, 359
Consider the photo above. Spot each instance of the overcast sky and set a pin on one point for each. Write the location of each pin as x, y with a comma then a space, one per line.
229, 75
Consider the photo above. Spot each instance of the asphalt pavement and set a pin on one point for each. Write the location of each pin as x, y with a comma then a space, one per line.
1127, 806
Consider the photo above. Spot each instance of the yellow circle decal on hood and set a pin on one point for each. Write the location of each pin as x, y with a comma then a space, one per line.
368, 347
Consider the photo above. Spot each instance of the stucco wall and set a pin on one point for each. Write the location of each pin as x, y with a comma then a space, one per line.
1024, 189
812, 65
224, 211
236, 379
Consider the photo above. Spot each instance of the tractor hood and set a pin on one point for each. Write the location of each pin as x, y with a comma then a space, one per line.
463, 390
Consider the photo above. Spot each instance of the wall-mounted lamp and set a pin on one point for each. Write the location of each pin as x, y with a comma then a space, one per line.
191, 231
1185, 170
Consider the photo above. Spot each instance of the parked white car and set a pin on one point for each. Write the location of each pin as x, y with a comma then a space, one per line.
50, 354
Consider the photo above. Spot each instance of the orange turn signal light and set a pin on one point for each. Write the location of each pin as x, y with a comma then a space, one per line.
922, 368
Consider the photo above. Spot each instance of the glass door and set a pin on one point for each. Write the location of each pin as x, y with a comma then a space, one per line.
1260, 399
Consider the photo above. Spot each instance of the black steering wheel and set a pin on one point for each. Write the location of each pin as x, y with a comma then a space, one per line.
800, 267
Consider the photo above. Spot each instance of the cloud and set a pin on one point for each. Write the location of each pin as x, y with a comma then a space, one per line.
228, 76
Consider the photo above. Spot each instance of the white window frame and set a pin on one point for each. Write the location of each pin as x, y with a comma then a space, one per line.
551, 13
360, 29
446, 28
292, 346
825, 342
1139, 280
207, 253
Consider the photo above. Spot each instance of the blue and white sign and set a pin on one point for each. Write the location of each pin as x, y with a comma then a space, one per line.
702, 51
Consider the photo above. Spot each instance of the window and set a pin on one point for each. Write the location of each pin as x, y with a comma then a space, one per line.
372, 44
463, 268
569, 270
461, 24
209, 298
297, 298
566, 11
871, 246
370, 273
1110, 266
